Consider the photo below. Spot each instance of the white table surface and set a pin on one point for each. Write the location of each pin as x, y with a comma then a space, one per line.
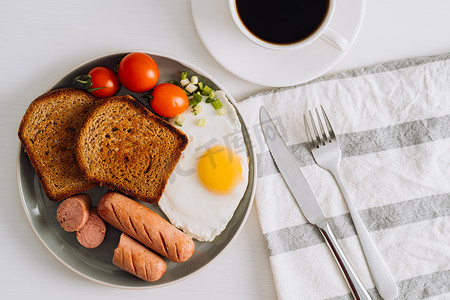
42, 40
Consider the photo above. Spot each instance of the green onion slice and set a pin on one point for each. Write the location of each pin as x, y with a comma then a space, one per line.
206, 90
217, 104
196, 99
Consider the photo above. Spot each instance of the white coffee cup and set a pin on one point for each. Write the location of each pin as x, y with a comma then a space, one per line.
324, 31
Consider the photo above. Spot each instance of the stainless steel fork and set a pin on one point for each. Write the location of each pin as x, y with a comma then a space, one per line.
327, 154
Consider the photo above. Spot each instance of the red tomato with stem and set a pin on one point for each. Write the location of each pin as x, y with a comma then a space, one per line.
101, 82
138, 72
104, 82
169, 100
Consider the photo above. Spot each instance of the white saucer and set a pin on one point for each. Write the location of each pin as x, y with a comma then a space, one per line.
267, 67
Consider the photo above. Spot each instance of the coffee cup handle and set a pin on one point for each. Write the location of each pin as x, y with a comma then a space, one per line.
335, 39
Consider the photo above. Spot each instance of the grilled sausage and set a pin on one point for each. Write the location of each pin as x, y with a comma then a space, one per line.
136, 259
73, 212
92, 234
145, 226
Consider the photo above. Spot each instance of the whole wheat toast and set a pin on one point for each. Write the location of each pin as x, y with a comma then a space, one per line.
47, 133
123, 146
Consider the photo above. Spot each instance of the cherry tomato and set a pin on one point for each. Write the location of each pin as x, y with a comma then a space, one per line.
138, 72
104, 82
169, 100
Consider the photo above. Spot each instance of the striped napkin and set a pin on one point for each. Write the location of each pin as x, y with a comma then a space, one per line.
393, 125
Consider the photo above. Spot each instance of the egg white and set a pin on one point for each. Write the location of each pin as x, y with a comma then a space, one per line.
187, 203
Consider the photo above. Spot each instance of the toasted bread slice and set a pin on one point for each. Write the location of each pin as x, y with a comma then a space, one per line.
47, 133
123, 146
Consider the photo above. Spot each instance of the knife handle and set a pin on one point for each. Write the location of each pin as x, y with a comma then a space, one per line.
356, 287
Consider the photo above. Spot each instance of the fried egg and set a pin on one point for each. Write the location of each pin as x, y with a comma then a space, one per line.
211, 177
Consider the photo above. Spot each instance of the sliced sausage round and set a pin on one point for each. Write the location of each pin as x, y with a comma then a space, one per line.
92, 234
73, 212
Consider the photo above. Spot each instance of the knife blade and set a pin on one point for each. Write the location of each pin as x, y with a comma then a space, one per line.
290, 171
307, 201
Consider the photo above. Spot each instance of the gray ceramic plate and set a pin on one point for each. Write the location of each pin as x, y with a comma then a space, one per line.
95, 264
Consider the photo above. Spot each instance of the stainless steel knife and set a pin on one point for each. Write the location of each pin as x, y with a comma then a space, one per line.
307, 201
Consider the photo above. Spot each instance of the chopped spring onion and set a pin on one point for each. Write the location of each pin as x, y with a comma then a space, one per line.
195, 99
217, 104
209, 100
202, 122
179, 120
194, 80
212, 94
221, 111
191, 88
175, 83
197, 109
185, 82
206, 90
200, 85
183, 75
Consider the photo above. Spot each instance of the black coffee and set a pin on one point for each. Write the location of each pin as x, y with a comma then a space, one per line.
282, 21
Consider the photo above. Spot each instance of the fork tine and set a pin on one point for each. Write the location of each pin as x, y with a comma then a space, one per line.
330, 129
316, 133
322, 130
309, 134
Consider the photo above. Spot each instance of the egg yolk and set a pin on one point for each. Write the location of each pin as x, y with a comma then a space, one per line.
220, 169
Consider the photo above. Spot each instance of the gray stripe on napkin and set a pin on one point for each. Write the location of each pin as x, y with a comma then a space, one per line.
420, 287
379, 218
378, 68
369, 141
